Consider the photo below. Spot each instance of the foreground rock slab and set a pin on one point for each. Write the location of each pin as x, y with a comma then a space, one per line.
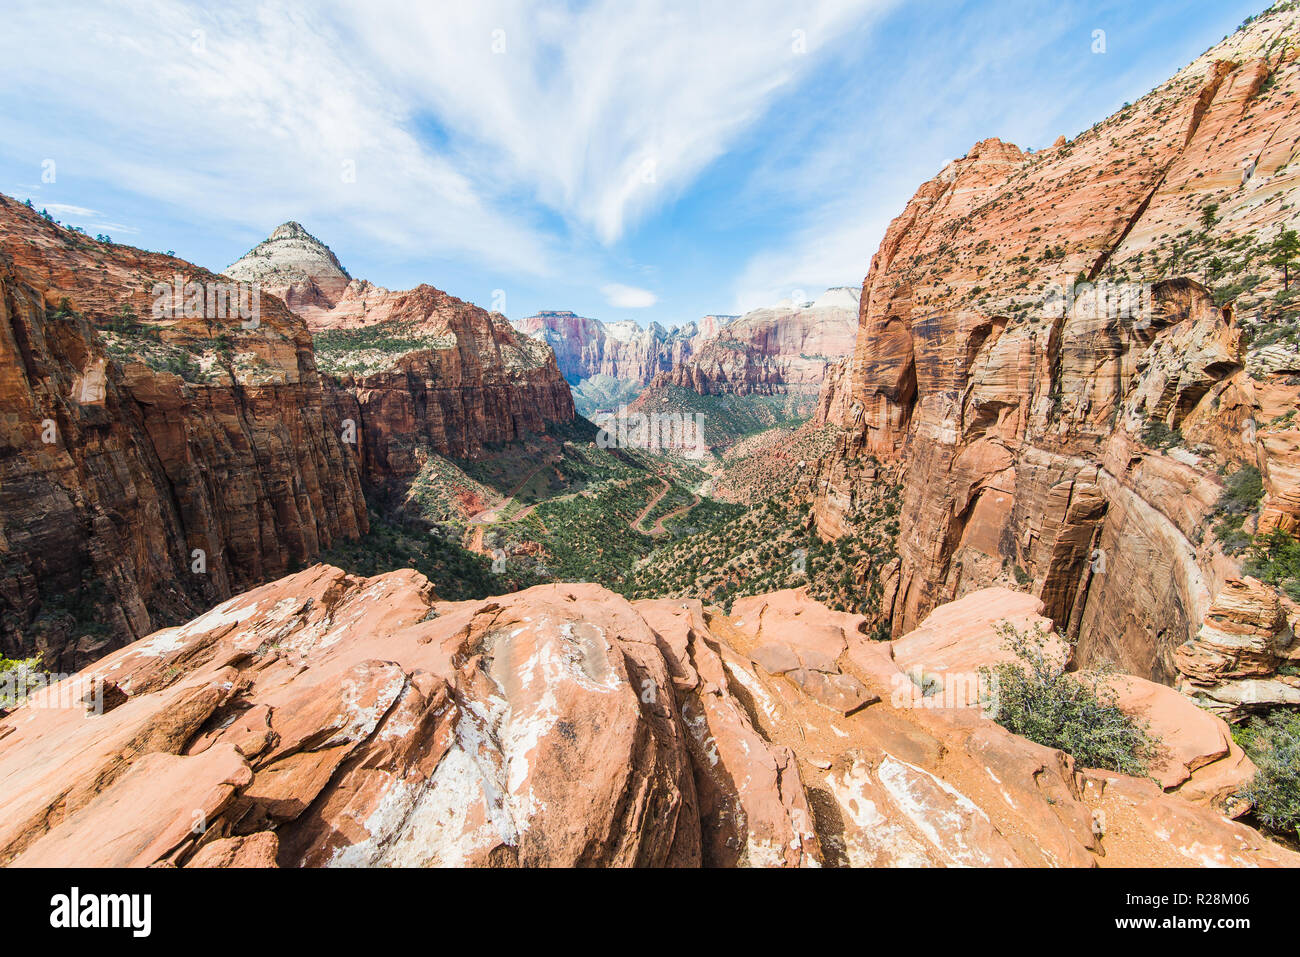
331, 720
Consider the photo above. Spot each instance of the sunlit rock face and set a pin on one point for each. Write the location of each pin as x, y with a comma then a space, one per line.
1052, 437
787, 348
625, 350
152, 462
329, 720
416, 370
776, 350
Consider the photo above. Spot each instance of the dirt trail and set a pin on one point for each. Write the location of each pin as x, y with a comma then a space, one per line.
659, 525
636, 522
491, 515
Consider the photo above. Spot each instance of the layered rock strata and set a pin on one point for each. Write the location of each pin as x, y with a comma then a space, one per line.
417, 371
1040, 357
328, 720
149, 466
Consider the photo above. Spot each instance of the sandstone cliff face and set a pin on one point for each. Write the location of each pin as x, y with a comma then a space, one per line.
328, 720
464, 379
1022, 424
621, 350
114, 471
1234, 665
415, 370
773, 351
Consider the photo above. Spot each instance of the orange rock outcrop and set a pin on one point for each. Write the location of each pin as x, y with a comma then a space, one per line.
1045, 430
329, 720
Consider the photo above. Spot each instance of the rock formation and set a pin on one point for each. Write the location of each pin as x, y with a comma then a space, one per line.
1039, 355
296, 266
1235, 663
415, 370
328, 720
771, 351
585, 348
149, 467
787, 348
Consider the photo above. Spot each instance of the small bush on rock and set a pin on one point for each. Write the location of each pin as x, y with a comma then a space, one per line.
1038, 699
1274, 745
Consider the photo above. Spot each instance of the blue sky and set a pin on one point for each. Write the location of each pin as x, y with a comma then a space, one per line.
627, 160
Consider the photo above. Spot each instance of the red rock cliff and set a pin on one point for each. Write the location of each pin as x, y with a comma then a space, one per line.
772, 351
415, 370
1025, 429
621, 350
114, 470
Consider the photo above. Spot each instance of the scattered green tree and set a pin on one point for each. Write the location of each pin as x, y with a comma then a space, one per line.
1209, 216
1275, 560
1285, 254
1273, 743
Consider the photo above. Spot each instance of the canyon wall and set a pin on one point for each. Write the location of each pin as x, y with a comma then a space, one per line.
770, 351
416, 371
132, 496
1047, 438
621, 350
327, 720
781, 349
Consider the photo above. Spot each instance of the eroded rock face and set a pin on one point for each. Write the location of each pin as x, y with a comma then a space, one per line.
772, 351
1232, 665
329, 720
414, 370
621, 350
1030, 431
1196, 757
130, 496
482, 383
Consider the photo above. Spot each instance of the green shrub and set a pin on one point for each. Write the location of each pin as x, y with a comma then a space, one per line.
1160, 436
1274, 745
457, 574
1038, 699
18, 676
1275, 560
1242, 492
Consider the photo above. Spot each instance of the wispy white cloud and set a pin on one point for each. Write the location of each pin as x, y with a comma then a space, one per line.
256, 114
628, 297
606, 110
64, 209
91, 219
853, 169
452, 129
531, 145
